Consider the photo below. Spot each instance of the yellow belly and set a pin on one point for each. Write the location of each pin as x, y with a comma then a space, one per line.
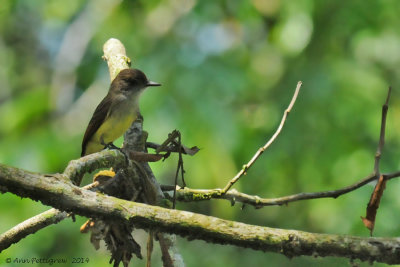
111, 129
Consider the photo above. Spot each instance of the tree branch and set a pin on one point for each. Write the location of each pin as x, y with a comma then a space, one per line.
74, 171
103, 159
51, 190
261, 150
115, 55
34, 224
373, 204
30, 226
378, 153
190, 195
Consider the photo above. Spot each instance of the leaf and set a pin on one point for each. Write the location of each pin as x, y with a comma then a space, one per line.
373, 204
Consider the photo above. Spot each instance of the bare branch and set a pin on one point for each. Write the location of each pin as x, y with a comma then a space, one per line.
115, 55
378, 153
73, 172
65, 196
30, 226
169, 251
189, 195
34, 224
261, 150
170, 149
373, 204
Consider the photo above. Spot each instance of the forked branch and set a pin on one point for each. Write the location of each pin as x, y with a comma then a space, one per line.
67, 197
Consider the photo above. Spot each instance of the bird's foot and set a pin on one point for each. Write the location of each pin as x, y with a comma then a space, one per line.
112, 146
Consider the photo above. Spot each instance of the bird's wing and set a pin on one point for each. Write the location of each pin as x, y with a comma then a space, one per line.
99, 116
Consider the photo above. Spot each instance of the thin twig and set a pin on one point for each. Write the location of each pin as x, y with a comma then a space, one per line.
149, 248
261, 150
179, 168
170, 138
373, 204
167, 250
378, 153
188, 194
173, 148
181, 162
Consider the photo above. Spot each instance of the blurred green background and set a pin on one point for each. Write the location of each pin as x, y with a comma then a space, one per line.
228, 70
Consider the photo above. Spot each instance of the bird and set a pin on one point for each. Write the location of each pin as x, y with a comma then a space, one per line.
116, 112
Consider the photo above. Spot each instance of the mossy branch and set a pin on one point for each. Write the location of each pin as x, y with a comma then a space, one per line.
187, 194
63, 195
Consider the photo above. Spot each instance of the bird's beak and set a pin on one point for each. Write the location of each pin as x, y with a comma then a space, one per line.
150, 83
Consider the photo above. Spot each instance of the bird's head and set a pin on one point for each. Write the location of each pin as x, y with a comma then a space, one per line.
131, 81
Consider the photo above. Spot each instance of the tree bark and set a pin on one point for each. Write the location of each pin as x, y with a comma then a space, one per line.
63, 195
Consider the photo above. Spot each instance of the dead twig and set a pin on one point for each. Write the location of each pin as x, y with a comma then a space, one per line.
170, 149
261, 150
179, 168
373, 204
188, 194
378, 153
171, 137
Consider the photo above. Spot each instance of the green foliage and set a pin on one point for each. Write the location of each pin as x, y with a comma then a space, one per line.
228, 70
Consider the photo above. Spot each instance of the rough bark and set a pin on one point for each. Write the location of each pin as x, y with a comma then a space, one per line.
61, 194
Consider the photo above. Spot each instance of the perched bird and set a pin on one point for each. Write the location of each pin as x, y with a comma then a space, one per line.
116, 112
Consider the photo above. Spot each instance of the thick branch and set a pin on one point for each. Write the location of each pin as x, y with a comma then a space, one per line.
34, 224
73, 172
65, 196
114, 53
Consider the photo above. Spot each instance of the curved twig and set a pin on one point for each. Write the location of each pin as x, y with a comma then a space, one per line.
261, 150
103, 159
